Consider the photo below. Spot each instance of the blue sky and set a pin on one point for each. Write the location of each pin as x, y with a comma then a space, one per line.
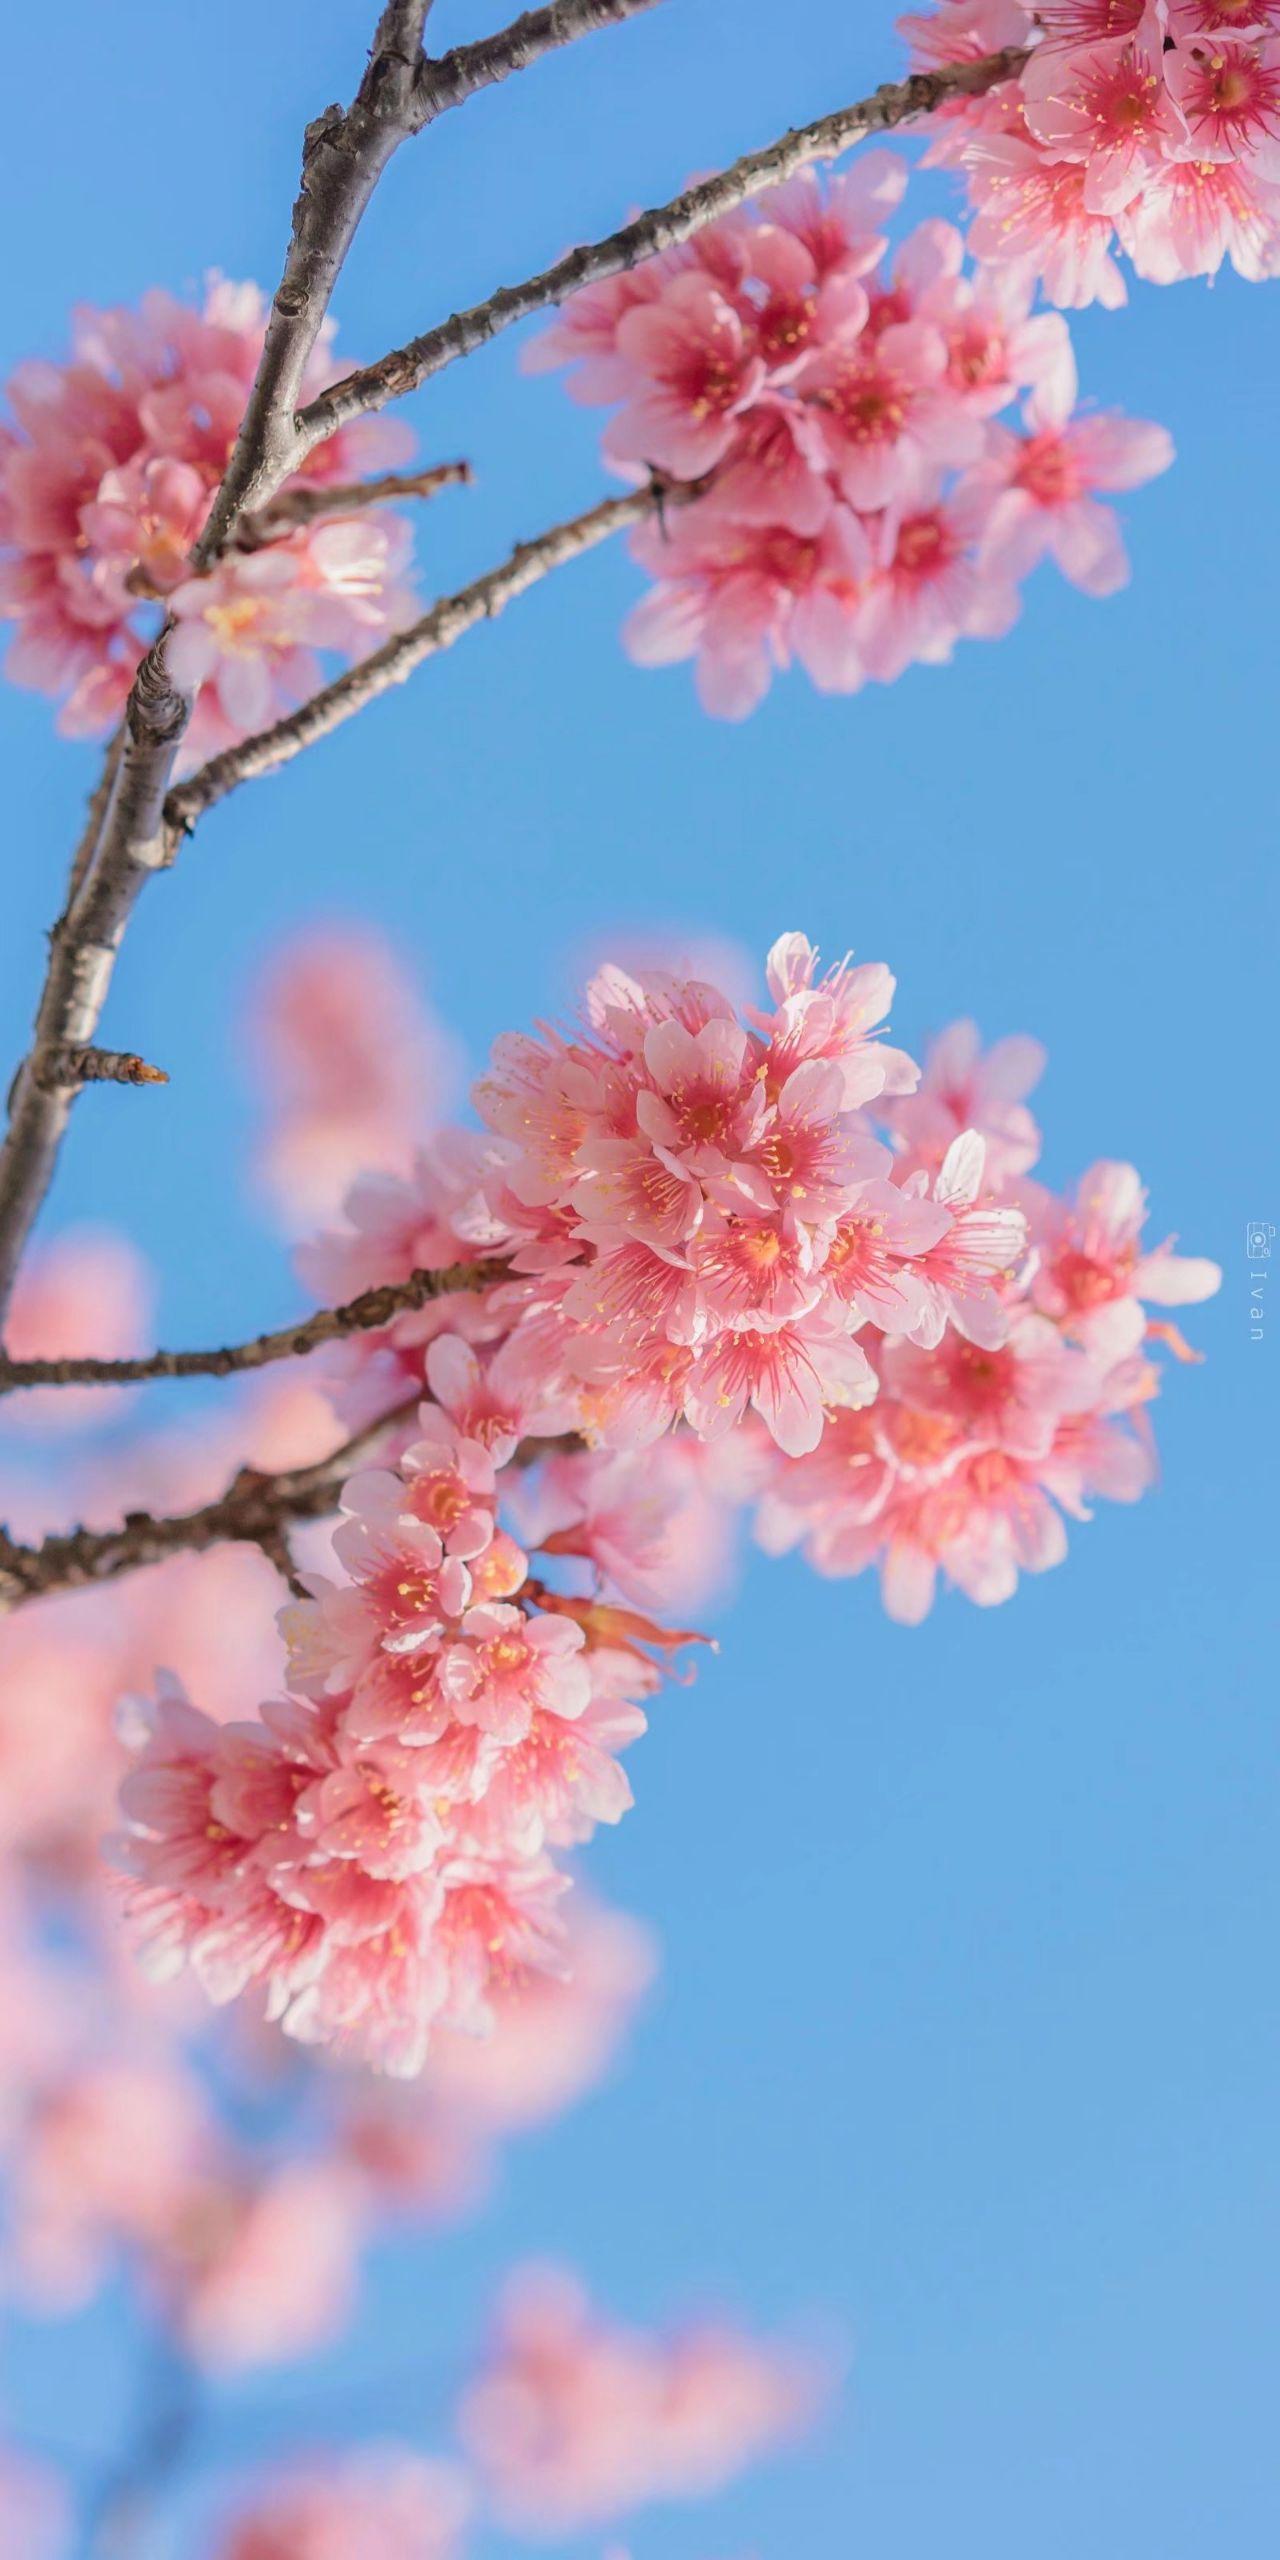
967, 2033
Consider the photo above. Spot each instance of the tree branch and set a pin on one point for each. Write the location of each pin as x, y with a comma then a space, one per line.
255, 1510
897, 102
363, 1314
397, 658
344, 154
82, 951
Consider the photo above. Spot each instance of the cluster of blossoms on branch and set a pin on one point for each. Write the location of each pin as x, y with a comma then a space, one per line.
759, 1259
1147, 126
106, 477
867, 505
743, 1258
119, 2148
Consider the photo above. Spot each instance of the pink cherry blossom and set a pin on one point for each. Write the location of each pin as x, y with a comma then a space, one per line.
88, 1292
743, 599
350, 1063
1031, 208
385, 2500
584, 334
1195, 213
885, 410
510, 1667
964, 1270
835, 409
964, 1087
996, 346
1069, 24
574, 2420
692, 350
1189, 18
1011, 1396
838, 223
1041, 489
263, 2269
1229, 96
554, 2035
1092, 1275
105, 482
1108, 106
1152, 125
110, 2154
933, 586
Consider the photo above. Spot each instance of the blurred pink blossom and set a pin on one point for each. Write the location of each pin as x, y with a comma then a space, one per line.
383, 2502
574, 2420
352, 1067
90, 1292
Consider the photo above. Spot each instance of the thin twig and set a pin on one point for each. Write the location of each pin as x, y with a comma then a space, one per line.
897, 102
255, 1510
396, 660
363, 1314
96, 1066
454, 76
309, 500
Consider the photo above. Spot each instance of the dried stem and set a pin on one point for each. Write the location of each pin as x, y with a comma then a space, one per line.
344, 154
396, 660
897, 102
255, 1510
363, 1314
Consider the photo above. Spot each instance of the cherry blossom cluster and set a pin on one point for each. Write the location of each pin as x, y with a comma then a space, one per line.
757, 1256
976, 1446
117, 2151
106, 477
866, 504
1146, 126
375, 1851
774, 1221
575, 2420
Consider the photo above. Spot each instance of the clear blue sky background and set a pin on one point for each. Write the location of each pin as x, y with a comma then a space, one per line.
968, 2031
